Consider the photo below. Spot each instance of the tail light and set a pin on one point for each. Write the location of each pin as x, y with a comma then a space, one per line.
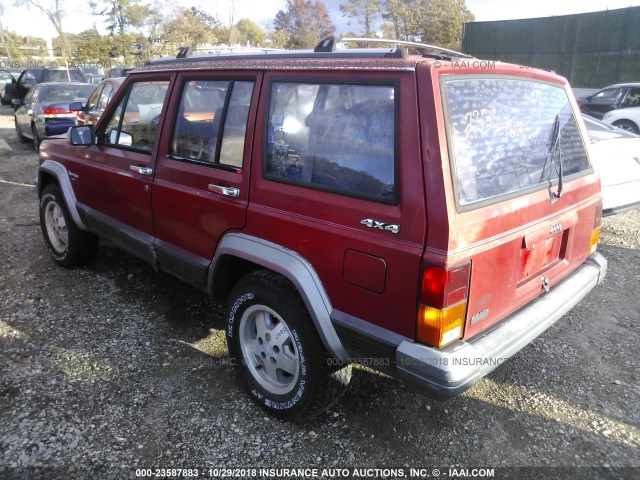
56, 112
595, 233
443, 304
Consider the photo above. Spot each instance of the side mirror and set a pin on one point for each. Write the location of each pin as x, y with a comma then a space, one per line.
80, 135
16, 102
76, 107
123, 139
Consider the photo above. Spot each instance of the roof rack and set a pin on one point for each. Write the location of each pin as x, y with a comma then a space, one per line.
330, 44
218, 50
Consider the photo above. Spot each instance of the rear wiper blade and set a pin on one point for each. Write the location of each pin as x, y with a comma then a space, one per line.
555, 152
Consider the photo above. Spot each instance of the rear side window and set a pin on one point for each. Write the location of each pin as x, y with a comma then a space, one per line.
334, 137
211, 124
502, 140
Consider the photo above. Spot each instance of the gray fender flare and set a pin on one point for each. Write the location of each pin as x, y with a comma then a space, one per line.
294, 267
62, 176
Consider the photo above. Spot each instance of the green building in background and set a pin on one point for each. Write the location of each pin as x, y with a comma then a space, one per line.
591, 50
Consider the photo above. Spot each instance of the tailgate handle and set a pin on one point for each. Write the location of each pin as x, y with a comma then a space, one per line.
141, 170
228, 191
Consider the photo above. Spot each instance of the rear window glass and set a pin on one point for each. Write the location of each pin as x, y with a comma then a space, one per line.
334, 137
66, 93
501, 135
63, 76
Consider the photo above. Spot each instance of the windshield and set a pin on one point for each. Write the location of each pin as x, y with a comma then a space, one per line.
501, 132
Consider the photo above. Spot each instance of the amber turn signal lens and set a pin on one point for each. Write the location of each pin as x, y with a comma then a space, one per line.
439, 327
595, 238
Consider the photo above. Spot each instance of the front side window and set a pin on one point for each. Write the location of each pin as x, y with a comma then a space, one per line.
92, 103
134, 123
335, 137
105, 95
212, 121
607, 95
632, 99
509, 135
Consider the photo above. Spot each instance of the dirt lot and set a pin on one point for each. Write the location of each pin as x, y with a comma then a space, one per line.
114, 367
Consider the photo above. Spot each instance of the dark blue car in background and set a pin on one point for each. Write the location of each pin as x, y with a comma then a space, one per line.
44, 112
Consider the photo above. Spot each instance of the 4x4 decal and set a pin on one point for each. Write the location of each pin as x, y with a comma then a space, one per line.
371, 223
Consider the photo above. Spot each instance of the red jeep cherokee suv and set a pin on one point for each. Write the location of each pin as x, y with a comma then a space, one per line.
426, 215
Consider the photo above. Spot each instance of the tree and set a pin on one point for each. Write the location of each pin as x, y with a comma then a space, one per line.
55, 14
438, 22
276, 38
93, 47
365, 12
58, 45
19, 48
187, 28
122, 16
3, 38
305, 23
249, 32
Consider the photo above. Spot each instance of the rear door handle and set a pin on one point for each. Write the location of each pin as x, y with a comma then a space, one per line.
229, 191
141, 170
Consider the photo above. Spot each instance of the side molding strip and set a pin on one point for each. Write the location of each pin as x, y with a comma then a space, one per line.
294, 267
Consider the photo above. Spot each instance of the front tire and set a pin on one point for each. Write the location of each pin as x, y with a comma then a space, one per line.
279, 357
68, 246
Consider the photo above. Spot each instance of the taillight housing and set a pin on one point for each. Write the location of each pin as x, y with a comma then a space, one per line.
595, 233
55, 112
442, 306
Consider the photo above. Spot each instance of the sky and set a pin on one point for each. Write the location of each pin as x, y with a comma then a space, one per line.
31, 22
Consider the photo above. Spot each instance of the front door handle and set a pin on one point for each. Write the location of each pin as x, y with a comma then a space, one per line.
229, 191
141, 170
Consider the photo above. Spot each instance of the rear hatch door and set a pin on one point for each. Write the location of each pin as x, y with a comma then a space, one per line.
520, 191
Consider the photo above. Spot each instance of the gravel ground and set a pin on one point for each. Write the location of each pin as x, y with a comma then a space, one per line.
115, 367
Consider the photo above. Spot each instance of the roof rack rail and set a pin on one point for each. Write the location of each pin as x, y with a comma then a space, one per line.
219, 49
332, 43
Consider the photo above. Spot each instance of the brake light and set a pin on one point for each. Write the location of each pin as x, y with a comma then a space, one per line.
595, 233
443, 304
55, 112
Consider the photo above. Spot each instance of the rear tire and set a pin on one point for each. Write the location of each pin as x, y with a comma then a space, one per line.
21, 137
279, 357
36, 138
628, 126
68, 246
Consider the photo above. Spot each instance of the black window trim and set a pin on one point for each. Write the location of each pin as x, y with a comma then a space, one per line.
393, 83
231, 79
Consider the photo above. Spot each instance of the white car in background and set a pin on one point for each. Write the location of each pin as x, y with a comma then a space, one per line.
616, 154
625, 118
